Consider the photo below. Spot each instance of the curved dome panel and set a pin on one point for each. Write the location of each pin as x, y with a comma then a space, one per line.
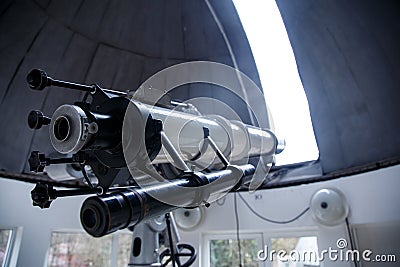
116, 44
348, 58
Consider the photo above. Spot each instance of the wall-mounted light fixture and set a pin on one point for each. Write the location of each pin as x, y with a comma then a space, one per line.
329, 207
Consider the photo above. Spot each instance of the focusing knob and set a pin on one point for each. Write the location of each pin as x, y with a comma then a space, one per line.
37, 161
42, 195
36, 119
38, 79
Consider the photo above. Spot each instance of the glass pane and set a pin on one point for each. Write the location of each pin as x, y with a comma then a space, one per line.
299, 251
4, 242
224, 253
124, 247
79, 250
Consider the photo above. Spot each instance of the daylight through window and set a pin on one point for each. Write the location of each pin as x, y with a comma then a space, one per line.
5, 236
283, 90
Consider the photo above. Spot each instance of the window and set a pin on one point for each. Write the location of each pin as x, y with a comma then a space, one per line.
10, 241
124, 247
79, 250
283, 90
225, 252
221, 250
5, 241
299, 251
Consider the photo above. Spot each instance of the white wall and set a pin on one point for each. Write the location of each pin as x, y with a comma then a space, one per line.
373, 198
16, 210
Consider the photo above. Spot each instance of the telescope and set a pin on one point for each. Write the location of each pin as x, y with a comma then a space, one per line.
142, 156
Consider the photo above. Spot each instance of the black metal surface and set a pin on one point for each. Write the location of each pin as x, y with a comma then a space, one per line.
43, 194
103, 152
40, 178
186, 251
105, 214
38, 80
348, 58
36, 119
126, 207
153, 137
38, 161
175, 252
114, 157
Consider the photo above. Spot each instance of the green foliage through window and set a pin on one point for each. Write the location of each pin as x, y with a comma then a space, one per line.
79, 250
224, 253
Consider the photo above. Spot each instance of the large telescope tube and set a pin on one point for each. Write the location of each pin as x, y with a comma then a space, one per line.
235, 139
71, 130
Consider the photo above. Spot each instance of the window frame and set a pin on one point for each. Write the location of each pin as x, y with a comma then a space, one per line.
266, 240
114, 243
13, 246
288, 233
207, 237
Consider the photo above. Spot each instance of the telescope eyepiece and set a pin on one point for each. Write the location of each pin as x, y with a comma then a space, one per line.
102, 215
94, 218
38, 79
61, 128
